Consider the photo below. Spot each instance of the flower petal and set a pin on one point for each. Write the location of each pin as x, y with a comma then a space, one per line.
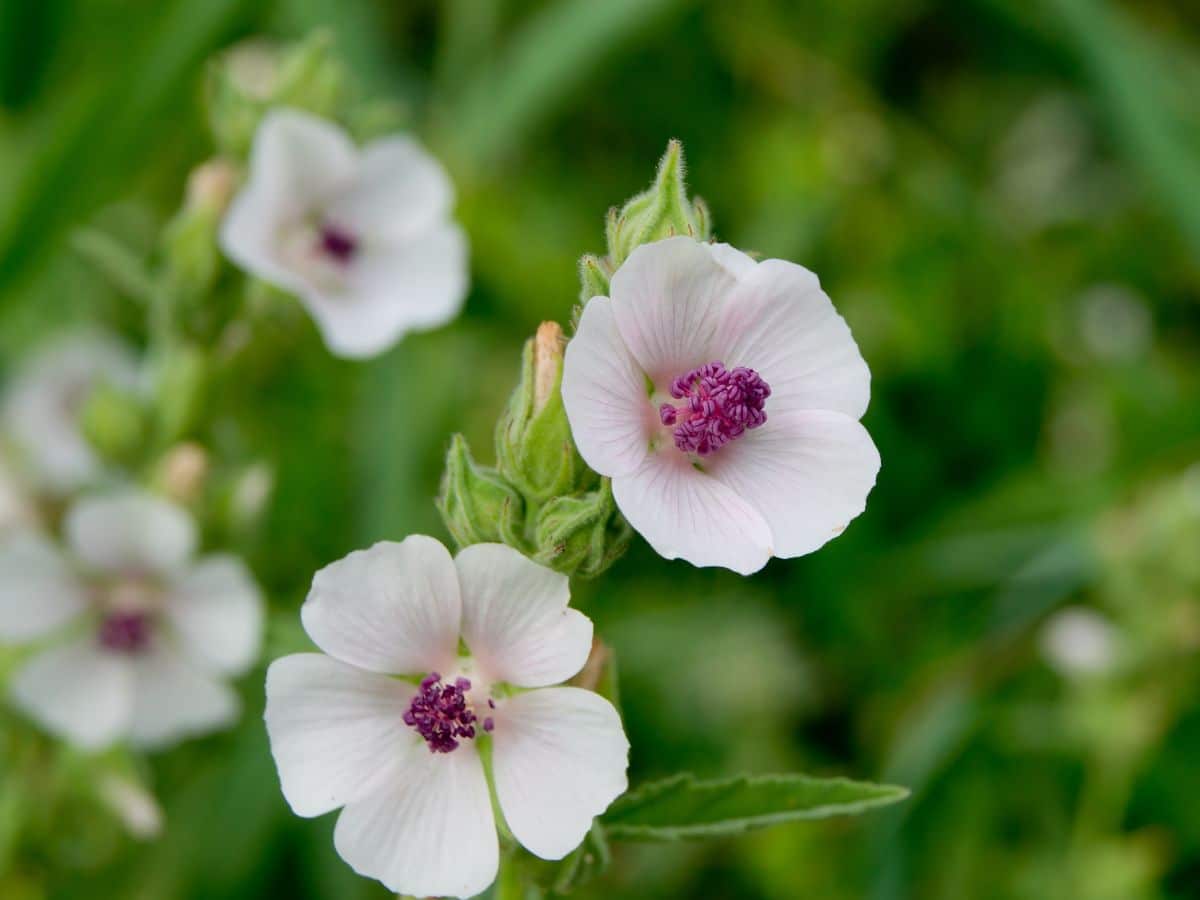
668, 299
297, 163
333, 729
394, 608
605, 394
217, 611
781, 324
78, 691
807, 473
130, 531
390, 289
685, 513
38, 590
174, 699
559, 759
430, 832
400, 191
516, 620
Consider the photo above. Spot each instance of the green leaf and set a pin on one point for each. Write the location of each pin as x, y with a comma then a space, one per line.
116, 262
684, 807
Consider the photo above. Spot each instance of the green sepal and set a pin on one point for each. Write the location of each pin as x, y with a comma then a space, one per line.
478, 505
589, 859
114, 422
180, 391
583, 534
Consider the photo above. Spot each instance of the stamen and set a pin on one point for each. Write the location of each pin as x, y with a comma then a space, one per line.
440, 713
337, 243
719, 406
125, 632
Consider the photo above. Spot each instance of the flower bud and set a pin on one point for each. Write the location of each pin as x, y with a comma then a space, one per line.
190, 239
476, 503
183, 471
581, 535
114, 422
594, 275
181, 386
534, 449
662, 211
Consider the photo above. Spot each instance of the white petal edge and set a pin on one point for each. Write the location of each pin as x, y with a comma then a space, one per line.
216, 609
781, 324
668, 298
605, 394
334, 729
687, 514
559, 759
130, 531
808, 474
393, 288
516, 621
78, 691
174, 699
394, 608
38, 590
430, 832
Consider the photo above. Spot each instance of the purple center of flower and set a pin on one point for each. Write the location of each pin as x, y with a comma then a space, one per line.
718, 405
441, 714
337, 243
125, 632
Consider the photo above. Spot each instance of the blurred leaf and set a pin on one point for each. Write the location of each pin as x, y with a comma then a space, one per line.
683, 807
587, 861
116, 262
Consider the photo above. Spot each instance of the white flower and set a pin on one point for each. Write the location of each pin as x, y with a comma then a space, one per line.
363, 237
16, 508
45, 399
401, 755
722, 396
1078, 641
149, 635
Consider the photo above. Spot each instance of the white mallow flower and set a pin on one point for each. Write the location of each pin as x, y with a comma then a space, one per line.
722, 396
46, 397
478, 640
363, 237
148, 635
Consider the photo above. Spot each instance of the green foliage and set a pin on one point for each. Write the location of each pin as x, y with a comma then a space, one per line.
683, 807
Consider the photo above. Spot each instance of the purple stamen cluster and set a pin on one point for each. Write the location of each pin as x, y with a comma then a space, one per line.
337, 243
719, 405
440, 713
125, 632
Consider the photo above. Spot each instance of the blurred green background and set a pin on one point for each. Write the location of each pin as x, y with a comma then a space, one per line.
1002, 198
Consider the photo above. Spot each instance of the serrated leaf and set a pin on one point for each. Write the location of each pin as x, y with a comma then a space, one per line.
683, 806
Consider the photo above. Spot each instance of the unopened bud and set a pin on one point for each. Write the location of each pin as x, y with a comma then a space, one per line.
114, 422
477, 504
183, 471
581, 535
135, 806
182, 385
190, 239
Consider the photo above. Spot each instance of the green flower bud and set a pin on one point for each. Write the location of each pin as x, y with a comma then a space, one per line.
662, 211
594, 275
477, 504
581, 535
190, 240
114, 422
181, 386
250, 78
534, 449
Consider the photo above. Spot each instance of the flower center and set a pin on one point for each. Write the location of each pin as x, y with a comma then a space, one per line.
442, 714
125, 632
718, 406
337, 243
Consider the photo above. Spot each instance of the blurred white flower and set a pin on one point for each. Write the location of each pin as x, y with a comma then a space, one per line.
45, 399
363, 237
16, 508
722, 396
153, 633
401, 755
1079, 641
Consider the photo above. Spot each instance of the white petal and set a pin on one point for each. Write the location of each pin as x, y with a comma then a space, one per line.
559, 760
297, 164
668, 299
394, 608
808, 473
334, 729
391, 289
174, 699
605, 394
430, 833
516, 620
38, 590
78, 691
130, 531
399, 191
740, 265
216, 609
782, 325
685, 513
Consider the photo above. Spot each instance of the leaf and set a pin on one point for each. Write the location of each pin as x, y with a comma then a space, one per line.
116, 262
684, 807
587, 861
